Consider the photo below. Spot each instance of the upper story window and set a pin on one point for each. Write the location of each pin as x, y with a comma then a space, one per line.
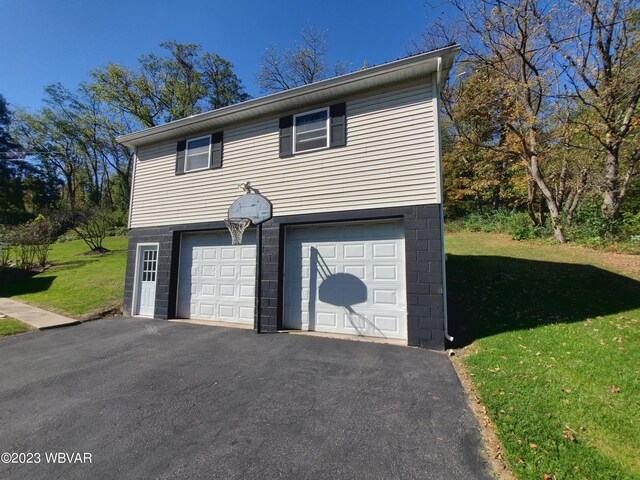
311, 130
198, 153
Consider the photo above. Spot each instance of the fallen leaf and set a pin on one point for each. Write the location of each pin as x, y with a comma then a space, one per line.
533, 446
618, 339
519, 460
567, 391
614, 389
547, 476
568, 434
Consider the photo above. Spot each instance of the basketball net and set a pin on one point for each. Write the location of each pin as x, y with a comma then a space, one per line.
236, 228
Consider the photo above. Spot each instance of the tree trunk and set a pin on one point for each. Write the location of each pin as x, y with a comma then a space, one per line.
573, 204
531, 197
611, 200
554, 211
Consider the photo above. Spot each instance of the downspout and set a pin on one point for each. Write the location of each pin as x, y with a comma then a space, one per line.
438, 78
131, 185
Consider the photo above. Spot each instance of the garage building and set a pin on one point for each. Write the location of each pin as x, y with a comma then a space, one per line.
354, 242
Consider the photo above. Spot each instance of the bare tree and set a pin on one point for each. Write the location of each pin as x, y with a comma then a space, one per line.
306, 63
505, 38
598, 44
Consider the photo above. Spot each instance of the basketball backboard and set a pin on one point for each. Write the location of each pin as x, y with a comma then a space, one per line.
253, 206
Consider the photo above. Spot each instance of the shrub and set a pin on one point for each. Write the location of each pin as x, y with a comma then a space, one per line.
93, 224
32, 241
6, 245
118, 232
591, 228
67, 237
631, 225
520, 227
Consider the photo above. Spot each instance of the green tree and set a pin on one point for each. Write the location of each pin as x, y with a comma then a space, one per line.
73, 138
12, 208
160, 89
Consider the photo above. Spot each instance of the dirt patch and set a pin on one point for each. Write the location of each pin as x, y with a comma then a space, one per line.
96, 251
98, 314
493, 449
623, 262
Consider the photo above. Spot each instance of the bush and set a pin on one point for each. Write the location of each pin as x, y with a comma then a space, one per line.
118, 232
591, 228
631, 225
6, 246
521, 227
92, 224
494, 221
67, 237
31, 242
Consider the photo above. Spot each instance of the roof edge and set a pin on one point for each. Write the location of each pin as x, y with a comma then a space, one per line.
446, 54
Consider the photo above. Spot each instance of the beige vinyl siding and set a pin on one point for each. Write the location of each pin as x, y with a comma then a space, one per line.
389, 160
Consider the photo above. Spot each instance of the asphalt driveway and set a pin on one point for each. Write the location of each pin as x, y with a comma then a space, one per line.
153, 399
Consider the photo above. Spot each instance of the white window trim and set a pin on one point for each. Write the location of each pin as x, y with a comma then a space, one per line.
327, 129
136, 275
186, 154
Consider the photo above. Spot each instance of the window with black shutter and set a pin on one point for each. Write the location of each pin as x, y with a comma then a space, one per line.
313, 130
199, 153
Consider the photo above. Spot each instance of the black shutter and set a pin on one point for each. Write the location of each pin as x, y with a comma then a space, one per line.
216, 150
286, 136
338, 125
182, 145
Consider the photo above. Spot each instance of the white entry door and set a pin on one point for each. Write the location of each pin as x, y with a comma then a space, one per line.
346, 278
217, 279
147, 272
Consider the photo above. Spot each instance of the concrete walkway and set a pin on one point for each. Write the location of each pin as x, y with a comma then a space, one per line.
34, 316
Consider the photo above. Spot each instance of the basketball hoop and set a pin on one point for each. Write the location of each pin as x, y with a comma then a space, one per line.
236, 228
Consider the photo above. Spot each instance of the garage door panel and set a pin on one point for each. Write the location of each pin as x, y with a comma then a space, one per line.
385, 250
385, 272
385, 297
209, 254
247, 291
346, 278
246, 314
226, 312
353, 251
227, 290
326, 319
217, 279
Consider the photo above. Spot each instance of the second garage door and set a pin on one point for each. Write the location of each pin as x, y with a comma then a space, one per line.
346, 278
217, 279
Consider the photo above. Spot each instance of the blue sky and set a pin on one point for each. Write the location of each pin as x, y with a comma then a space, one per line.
51, 41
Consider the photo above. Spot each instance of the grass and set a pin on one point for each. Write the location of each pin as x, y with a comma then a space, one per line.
11, 326
80, 286
552, 341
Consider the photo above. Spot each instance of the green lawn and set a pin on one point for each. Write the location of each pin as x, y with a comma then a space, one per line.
552, 343
11, 326
77, 285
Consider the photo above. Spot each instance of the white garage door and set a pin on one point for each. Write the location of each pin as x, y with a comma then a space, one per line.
346, 278
217, 279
